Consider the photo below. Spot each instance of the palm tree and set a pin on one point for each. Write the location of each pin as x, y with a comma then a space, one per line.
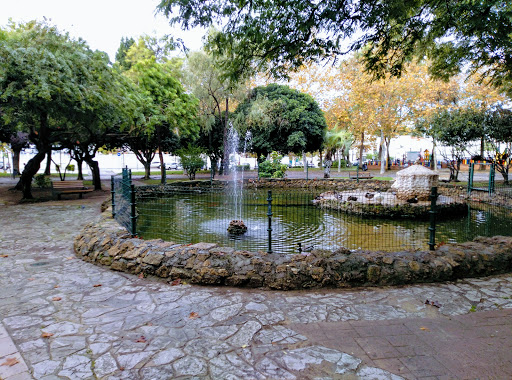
336, 141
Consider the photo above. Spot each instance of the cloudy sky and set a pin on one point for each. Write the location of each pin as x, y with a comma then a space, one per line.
101, 23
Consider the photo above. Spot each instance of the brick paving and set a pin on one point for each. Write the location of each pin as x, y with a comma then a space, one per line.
62, 318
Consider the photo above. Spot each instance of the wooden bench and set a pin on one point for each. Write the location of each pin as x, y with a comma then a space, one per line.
362, 175
69, 187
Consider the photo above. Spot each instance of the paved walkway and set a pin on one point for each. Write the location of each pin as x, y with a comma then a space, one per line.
62, 318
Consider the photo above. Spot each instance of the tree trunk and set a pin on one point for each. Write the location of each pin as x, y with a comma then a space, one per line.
163, 177
79, 164
95, 170
31, 169
382, 153
213, 164
361, 149
48, 169
388, 159
225, 159
16, 160
328, 164
147, 169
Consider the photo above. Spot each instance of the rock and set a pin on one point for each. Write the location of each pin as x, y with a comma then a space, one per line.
237, 227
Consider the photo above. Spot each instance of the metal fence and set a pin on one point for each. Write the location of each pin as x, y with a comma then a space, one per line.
298, 221
123, 201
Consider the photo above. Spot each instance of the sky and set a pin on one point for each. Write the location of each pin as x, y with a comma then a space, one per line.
102, 23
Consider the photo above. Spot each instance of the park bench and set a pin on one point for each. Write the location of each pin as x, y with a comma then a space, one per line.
69, 187
361, 175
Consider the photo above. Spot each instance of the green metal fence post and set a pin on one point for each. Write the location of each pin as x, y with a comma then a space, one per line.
470, 179
211, 175
432, 212
269, 214
357, 173
133, 213
492, 174
307, 170
113, 195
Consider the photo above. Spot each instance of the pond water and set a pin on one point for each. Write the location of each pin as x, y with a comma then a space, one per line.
191, 217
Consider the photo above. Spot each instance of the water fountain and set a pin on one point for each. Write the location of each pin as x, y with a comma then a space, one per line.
236, 226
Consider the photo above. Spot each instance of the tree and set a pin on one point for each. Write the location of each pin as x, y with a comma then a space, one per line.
211, 139
456, 129
217, 96
51, 84
169, 114
277, 36
336, 140
191, 160
281, 119
124, 46
498, 133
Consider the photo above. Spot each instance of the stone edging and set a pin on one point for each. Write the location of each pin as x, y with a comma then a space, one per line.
106, 243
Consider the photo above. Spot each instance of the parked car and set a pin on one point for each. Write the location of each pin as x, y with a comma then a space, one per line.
174, 166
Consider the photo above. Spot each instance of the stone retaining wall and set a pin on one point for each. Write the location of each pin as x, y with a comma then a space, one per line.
106, 243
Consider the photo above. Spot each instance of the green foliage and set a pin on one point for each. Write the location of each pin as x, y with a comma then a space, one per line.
272, 168
281, 119
191, 160
42, 181
335, 164
124, 46
169, 113
57, 90
279, 35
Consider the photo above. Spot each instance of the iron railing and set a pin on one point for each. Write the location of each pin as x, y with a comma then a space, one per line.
124, 201
298, 221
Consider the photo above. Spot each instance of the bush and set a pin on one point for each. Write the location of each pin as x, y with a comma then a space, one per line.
42, 181
335, 164
191, 160
243, 167
272, 168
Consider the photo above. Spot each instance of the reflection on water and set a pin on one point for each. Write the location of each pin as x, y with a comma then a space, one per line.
204, 217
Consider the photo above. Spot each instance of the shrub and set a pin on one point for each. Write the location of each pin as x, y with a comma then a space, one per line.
42, 181
335, 164
272, 168
243, 167
191, 160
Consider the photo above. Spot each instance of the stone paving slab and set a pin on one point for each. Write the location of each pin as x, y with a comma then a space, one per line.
70, 319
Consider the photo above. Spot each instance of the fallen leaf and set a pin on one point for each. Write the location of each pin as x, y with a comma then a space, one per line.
244, 346
56, 298
10, 362
69, 258
176, 282
142, 339
31, 279
4, 255
424, 328
46, 335
193, 315
141, 275
56, 286
149, 324
96, 286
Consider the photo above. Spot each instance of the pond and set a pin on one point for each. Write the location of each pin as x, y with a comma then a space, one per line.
297, 225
